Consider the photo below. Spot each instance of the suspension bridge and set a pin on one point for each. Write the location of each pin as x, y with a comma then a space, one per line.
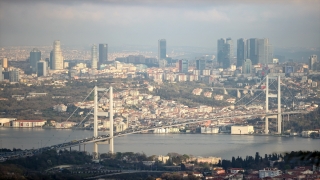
109, 139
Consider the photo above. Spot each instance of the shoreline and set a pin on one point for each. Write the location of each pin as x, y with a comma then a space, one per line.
274, 135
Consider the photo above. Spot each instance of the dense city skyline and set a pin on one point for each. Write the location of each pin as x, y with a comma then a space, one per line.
142, 22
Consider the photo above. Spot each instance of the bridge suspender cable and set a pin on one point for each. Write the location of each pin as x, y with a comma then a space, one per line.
78, 106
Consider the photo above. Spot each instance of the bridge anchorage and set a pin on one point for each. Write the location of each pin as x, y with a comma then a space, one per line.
95, 121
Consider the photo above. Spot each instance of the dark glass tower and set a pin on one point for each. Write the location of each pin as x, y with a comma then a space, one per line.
35, 57
241, 51
103, 53
162, 49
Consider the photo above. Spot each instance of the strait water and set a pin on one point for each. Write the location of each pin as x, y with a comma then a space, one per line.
219, 145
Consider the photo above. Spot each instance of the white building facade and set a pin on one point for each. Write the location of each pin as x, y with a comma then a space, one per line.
242, 130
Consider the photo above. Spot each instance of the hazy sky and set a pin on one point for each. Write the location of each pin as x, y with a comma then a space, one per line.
142, 22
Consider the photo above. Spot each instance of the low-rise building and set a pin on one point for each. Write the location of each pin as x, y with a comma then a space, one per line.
235, 170
6, 121
242, 130
163, 159
269, 172
27, 123
65, 124
307, 133
209, 160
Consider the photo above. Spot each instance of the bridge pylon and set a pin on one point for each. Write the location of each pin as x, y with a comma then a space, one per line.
95, 120
278, 96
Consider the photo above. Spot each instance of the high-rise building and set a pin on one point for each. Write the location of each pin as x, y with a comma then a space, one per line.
14, 75
312, 60
4, 62
183, 66
94, 57
252, 47
247, 66
225, 52
51, 60
201, 64
57, 59
103, 53
42, 68
242, 52
230, 42
35, 57
220, 50
1, 75
47, 60
260, 51
162, 49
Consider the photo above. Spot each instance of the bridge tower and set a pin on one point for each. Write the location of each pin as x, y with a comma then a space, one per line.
96, 113
278, 95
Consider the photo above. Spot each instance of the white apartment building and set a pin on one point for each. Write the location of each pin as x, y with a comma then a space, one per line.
28, 123
242, 130
269, 172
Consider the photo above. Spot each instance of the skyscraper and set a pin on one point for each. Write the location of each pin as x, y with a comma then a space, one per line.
201, 64
35, 56
94, 57
1, 75
42, 68
103, 53
312, 60
225, 52
230, 42
14, 75
51, 60
183, 66
4, 62
220, 53
57, 59
242, 53
260, 51
252, 45
247, 66
162, 49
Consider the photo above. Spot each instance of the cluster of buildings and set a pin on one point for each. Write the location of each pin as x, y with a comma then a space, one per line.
13, 122
300, 172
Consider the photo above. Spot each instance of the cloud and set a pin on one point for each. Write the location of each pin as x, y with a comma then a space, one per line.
211, 15
144, 21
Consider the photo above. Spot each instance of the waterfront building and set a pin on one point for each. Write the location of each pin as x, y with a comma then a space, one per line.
27, 123
5, 122
242, 130
64, 125
103, 53
57, 59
